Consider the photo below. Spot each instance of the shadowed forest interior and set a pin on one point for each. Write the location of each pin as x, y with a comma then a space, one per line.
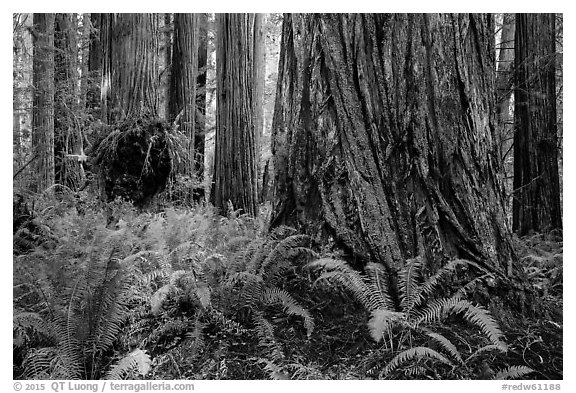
287, 196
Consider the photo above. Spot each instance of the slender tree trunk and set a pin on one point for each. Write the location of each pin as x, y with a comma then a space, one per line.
235, 174
200, 134
95, 51
85, 57
183, 84
129, 87
43, 109
504, 88
536, 204
384, 139
22, 103
259, 71
67, 124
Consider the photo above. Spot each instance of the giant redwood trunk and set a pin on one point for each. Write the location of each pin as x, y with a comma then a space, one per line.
43, 101
183, 84
384, 137
536, 204
235, 174
129, 87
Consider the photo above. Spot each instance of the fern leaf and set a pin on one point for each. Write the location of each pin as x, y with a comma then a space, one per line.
137, 359
288, 248
283, 298
408, 283
378, 282
338, 271
447, 345
266, 339
159, 297
513, 372
428, 287
437, 310
381, 322
415, 354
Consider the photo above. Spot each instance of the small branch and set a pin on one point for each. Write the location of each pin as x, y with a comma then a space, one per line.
24, 167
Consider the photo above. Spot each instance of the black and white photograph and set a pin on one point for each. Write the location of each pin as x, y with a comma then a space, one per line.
287, 196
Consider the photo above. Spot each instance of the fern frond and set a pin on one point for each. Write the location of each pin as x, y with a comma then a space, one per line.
437, 310
408, 282
266, 339
485, 348
381, 323
273, 370
416, 354
137, 359
38, 363
378, 281
513, 372
427, 288
252, 287
339, 272
446, 344
159, 297
287, 248
278, 296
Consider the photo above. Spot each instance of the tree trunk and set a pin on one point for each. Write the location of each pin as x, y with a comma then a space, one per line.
235, 174
199, 135
130, 74
85, 59
167, 28
259, 71
95, 50
504, 89
384, 139
43, 109
536, 204
183, 85
22, 103
68, 143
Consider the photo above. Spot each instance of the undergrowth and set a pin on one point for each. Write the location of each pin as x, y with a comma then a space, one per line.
103, 291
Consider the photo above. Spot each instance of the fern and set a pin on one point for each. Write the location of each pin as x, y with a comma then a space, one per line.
137, 359
415, 353
513, 372
291, 307
266, 339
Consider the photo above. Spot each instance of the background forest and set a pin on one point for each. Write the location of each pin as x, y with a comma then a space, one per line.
287, 196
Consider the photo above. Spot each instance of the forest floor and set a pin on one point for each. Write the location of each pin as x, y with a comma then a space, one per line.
187, 294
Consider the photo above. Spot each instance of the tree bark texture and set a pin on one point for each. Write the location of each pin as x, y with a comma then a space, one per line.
183, 84
199, 135
259, 71
43, 105
93, 94
536, 203
68, 133
383, 137
504, 86
235, 174
130, 72
165, 63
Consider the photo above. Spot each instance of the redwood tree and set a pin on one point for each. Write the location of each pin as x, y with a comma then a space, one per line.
69, 139
235, 174
43, 102
129, 87
384, 137
536, 203
183, 83
199, 134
